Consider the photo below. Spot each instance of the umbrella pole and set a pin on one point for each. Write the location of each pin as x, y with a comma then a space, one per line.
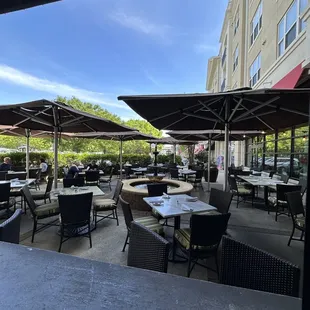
306, 279
174, 152
27, 152
121, 161
209, 163
55, 156
226, 161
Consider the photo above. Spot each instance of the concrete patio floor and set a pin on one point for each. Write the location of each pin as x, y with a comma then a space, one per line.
249, 224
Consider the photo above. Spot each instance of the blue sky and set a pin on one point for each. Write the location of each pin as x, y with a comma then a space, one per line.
97, 50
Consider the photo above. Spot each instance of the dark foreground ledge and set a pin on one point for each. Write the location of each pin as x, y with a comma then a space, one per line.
38, 279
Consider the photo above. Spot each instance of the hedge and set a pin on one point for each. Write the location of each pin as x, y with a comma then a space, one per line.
19, 158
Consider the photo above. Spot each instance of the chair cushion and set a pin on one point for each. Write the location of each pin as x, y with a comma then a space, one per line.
48, 209
300, 221
103, 204
273, 201
212, 212
151, 223
36, 195
183, 237
243, 191
104, 179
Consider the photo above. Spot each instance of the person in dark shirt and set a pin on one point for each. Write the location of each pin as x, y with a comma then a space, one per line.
72, 170
92, 166
6, 165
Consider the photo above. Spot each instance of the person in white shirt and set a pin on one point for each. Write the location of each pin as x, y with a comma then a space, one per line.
43, 165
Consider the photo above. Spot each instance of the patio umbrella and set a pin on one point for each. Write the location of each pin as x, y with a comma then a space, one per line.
117, 136
56, 117
243, 109
212, 135
172, 141
261, 109
7, 6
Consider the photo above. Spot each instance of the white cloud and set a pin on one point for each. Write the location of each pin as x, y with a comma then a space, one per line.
15, 76
141, 25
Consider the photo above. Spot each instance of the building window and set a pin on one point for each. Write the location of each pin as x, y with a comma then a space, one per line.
236, 54
290, 25
255, 70
256, 23
236, 22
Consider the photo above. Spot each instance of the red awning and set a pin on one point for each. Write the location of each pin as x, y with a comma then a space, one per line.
291, 79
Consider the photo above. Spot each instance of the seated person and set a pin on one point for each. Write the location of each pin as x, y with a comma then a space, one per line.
6, 165
92, 166
43, 166
72, 170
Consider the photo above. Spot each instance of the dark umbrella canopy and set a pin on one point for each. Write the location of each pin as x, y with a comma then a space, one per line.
171, 140
118, 136
45, 115
262, 109
215, 135
7, 6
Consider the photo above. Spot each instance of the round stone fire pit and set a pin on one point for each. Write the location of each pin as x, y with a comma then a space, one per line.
134, 190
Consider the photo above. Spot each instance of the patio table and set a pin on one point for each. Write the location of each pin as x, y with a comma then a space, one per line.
20, 183
70, 282
261, 181
140, 169
82, 173
187, 172
176, 206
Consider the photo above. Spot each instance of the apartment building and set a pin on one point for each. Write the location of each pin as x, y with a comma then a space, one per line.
263, 44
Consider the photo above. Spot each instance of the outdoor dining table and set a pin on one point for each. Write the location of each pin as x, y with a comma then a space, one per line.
70, 282
83, 173
76, 191
187, 172
139, 169
177, 205
261, 181
19, 184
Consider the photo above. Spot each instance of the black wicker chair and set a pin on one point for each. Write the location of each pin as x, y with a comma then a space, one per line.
39, 212
296, 208
107, 180
147, 250
110, 205
75, 216
303, 184
5, 201
279, 202
73, 182
220, 200
148, 221
92, 177
197, 179
202, 240
157, 189
240, 191
245, 266
10, 229
37, 195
